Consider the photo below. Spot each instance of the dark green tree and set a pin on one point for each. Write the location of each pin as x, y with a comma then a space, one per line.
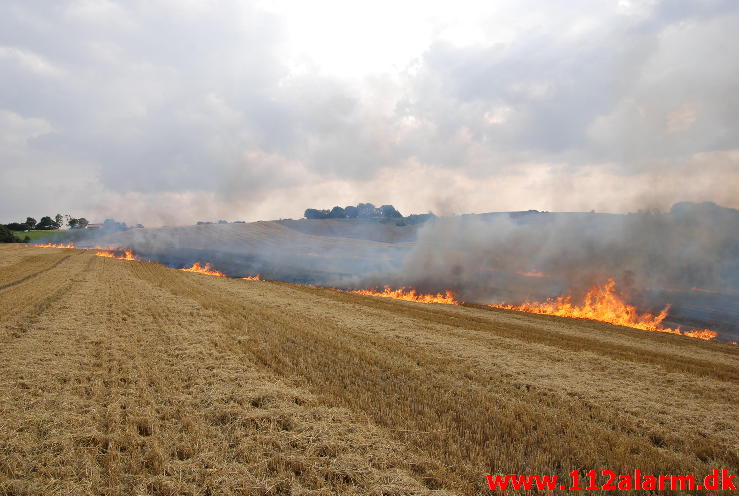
46, 223
337, 213
389, 212
366, 210
312, 213
80, 223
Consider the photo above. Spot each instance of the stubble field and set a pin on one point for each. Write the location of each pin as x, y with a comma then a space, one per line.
124, 378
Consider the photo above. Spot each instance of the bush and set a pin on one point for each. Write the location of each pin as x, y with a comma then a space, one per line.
6, 236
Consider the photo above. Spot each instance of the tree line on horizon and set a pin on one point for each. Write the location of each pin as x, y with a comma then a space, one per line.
361, 211
47, 223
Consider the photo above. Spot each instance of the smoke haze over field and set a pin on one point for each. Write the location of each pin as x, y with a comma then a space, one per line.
687, 258
527, 255
170, 112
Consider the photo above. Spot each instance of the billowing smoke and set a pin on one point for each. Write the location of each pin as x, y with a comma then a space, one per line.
306, 252
687, 258
693, 246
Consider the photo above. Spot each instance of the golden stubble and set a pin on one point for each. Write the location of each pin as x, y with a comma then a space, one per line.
129, 378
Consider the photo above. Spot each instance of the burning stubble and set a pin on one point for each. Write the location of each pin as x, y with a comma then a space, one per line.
656, 259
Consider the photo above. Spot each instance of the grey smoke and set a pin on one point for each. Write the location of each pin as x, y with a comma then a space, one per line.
692, 246
687, 257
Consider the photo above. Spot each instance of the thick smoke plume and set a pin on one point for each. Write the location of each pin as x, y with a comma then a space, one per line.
687, 258
690, 247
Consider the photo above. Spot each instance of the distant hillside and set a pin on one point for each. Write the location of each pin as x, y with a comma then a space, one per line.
397, 231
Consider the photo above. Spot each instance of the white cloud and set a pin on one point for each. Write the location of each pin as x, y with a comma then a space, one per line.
30, 61
680, 119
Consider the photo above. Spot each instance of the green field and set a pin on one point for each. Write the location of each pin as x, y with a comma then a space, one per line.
36, 235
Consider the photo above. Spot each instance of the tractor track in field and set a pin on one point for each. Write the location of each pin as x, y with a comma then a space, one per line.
32, 275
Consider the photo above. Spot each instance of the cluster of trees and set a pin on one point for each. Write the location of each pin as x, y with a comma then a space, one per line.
48, 223
361, 211
206, 222
80, 223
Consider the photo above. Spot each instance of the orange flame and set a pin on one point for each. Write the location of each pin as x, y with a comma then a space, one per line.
252, 278
447, 298
531, 273
602, 303
55, 245
204, 269
127, 254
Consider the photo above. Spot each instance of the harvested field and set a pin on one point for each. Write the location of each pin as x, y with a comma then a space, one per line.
122, 377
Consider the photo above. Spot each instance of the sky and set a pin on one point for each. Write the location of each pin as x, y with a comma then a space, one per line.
168, 112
